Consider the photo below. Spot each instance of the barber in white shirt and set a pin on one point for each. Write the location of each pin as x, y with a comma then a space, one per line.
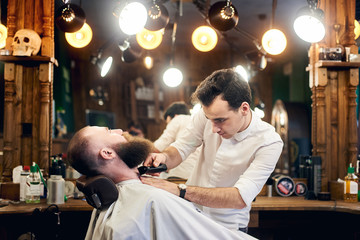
239, 151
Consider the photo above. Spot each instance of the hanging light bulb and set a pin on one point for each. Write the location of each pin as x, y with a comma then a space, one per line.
158, 17
274, 41
204, 38
80, 38
3, 35
148, 62
132, 18
105, 66
223, 16
172, 77
309, 25
70, 18
149, 39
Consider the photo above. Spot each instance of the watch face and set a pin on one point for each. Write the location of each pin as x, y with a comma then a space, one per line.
182, 186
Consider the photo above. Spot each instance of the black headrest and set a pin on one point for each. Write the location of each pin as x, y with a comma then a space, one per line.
100, 191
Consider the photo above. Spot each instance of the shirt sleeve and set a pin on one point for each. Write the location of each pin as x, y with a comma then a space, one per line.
192, 137
251, 182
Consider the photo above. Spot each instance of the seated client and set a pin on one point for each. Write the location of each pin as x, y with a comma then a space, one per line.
141, 211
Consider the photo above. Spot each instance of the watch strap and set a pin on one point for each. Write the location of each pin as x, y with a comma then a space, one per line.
182, 188
182, 193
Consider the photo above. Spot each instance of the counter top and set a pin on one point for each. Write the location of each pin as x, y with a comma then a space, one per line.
260, 204
295, 203
28, 208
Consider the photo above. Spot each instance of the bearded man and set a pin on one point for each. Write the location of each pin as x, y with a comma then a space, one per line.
141, 211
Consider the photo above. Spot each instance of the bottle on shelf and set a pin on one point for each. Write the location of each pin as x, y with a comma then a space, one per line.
56, 187
23, 175
351, 186
32, 192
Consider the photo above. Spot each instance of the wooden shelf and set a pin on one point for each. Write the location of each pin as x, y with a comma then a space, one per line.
24, 59
335, 64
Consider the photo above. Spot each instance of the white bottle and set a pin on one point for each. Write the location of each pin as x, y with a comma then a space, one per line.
32, 192
25, 172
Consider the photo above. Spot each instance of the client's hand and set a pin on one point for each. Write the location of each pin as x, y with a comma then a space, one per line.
161, 183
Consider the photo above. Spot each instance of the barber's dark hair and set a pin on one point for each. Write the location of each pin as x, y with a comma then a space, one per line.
226, 82
176, 108
80, 158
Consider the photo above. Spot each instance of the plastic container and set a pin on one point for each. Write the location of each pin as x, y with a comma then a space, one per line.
32, 192
25, 172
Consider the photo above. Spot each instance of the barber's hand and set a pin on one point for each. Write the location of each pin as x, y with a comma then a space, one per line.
154, 159
161, 183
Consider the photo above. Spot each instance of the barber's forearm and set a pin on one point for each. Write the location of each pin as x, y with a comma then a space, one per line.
215, 197
173, 157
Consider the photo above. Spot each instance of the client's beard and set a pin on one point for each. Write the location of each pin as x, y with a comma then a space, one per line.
135, 151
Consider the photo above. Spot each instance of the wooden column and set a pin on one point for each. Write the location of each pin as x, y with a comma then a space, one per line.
28, 88
333, 85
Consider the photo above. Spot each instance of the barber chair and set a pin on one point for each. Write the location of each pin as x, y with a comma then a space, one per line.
100, 192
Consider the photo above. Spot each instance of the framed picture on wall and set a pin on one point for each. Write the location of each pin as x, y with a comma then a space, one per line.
100, 118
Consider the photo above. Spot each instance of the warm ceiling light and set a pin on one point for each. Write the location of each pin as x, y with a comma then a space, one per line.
274, 41
223, 16
158, 17
148, 62
132, 18
149, 39
70, 18
80, 38
3, 35
356, 29
309, 25
172, 77
204, 38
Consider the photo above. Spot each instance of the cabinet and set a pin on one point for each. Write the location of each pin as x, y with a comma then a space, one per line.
334, 121
27, 112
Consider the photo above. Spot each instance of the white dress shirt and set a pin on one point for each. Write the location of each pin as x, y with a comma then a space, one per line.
146, 212
174, 129
244, 161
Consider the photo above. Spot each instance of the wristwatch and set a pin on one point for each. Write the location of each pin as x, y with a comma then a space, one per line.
182, 188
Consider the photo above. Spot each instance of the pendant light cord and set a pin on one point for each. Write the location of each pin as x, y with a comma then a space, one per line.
274, 4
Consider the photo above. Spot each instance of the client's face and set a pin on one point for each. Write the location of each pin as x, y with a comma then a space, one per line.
135, 151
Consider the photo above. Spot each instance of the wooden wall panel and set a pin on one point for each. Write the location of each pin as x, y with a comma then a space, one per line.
28, 88
333, 86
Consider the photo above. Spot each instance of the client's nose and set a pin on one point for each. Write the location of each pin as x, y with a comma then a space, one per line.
118, 131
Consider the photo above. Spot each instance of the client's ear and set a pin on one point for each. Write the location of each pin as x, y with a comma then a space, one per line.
107, 153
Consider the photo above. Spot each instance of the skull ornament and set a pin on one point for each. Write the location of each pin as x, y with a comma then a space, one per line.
26, 43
